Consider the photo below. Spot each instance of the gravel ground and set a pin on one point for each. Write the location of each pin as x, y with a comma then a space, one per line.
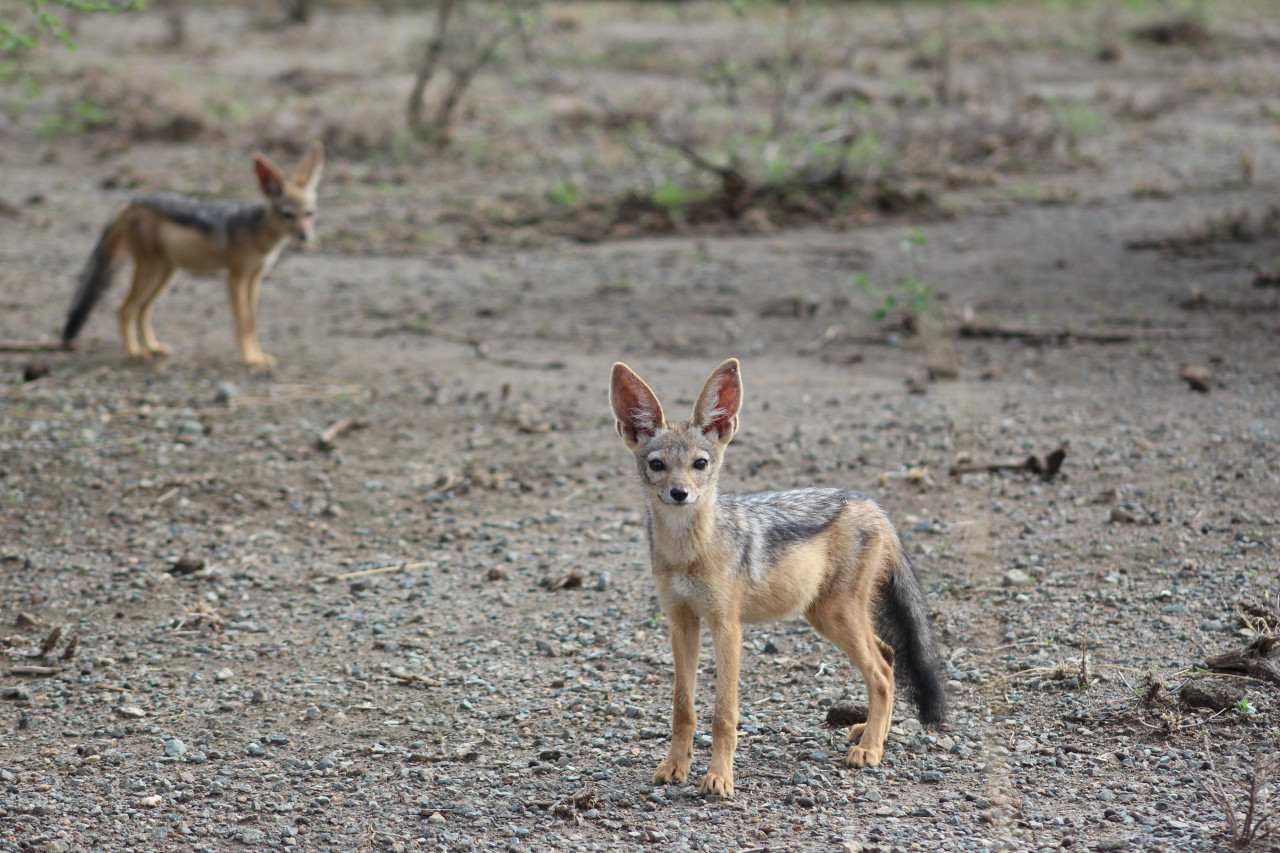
439, 633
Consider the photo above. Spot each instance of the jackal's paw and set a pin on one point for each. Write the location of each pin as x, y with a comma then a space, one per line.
259, 361
864, 756
855, 732
159, 349
138, 354
671, 772
716, 784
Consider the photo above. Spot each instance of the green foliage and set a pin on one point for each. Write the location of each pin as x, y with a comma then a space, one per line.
671, 196
80, 118
909, 297
1244, 707
564, 194
23, 32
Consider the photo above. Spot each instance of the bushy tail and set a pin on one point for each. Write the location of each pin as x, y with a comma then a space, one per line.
902, 621
94, 280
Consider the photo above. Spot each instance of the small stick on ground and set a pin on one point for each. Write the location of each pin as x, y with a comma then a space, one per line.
398, 567
403, 677
51, 641
572, 580
35, 670
1047, 469
328, 439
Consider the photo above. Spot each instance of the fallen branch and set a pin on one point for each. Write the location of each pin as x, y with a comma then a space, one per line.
1034, 335
1047, 469
300, 393
327, 440
33, 346
473, 341
1260, 659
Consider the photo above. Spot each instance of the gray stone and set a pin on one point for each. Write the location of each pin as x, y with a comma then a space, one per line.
1015, 577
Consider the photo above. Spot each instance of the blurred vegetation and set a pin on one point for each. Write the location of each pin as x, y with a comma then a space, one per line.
596, 119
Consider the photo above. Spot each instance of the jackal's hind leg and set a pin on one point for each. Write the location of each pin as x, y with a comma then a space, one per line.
148, 335
148, 274
856, 638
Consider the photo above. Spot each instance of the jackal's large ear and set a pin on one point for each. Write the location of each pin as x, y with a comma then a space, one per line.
716, 412
636, 407
308, 174
270, 178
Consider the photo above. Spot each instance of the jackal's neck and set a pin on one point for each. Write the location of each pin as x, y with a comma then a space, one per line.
272, 238
683, 536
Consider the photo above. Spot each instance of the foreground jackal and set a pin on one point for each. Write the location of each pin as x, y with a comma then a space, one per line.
829, 554
167, 232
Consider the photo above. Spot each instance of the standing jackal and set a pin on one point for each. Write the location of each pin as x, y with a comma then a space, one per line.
829, 554
167, 232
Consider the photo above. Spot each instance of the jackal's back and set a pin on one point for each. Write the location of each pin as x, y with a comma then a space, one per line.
220, 219
762, 527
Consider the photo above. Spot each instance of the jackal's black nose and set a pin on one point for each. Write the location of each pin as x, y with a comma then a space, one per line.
678, 494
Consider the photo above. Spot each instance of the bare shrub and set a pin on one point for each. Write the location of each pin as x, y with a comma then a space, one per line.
466, 37
1249, 810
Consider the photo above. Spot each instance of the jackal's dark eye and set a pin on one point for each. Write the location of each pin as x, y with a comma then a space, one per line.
700, 464
656, 465
288, 214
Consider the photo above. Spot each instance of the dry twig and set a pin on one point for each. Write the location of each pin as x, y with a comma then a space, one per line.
328, 439
398, 567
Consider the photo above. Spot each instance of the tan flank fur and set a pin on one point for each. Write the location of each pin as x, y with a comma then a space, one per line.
163, 233
829, 555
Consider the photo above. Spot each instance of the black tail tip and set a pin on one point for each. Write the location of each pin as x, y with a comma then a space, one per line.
931, 704
74, 324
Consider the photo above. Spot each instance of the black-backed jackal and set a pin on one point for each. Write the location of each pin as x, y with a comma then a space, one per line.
166, 232
830, 555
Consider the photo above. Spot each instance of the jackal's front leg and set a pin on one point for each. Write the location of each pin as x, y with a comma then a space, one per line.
684, 651
724, 725
242, 290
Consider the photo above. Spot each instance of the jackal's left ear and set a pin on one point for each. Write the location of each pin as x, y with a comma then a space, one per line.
635, 406
719, 403
308, 174
270, 178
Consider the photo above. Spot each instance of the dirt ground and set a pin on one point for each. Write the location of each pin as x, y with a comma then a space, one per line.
267, 644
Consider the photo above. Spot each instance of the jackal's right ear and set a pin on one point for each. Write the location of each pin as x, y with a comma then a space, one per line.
636, 407
716, 410
270, 178
308, 173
